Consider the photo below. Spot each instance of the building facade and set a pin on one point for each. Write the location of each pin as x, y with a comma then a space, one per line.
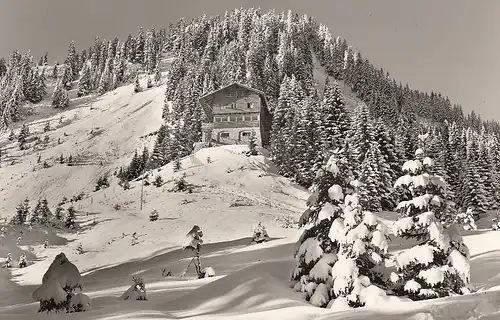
233, 112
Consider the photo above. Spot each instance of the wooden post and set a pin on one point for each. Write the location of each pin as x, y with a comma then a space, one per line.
142, 190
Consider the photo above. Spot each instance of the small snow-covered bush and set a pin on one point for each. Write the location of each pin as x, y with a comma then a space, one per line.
8, 261
102, 183
153, 216
134, 240
466, 219
56, 294
260, 233
137, 290
22, 261
158, 182
79, 249
208, 272
181, 185
78, 303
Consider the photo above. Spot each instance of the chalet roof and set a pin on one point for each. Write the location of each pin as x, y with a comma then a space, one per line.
231, 85
205, 98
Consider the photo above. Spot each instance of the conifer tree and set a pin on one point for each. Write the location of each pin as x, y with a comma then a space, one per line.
177, 165
119, 65
46, 128
12, 135
3, 67
58, 214
271, 78
305, 147
149, 51
45, 213
316, 252
137, 87
370, 176
67, 77
106, 78
157, 74
149, 84
70, 222
153, 216
85, 83
14, 103
157, 158
36, 215
134, 169
139, 47
72, 62
23, 134
46, 59
333, 122
360, 134
144, 158
472, 194
362, 252
388, 164
252, 144
40, 86
439, 265
22, 211
60, 97
55, 70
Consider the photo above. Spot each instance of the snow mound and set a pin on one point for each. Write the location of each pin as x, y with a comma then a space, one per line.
61, 274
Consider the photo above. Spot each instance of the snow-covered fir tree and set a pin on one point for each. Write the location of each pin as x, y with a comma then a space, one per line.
362, 253
439, 265
60, 98
59, 282
316, 252
333, 122
370, 176
22, 212
137, 86
70, 221
85, 83
153, 216
137, 290
360, 134
252, 144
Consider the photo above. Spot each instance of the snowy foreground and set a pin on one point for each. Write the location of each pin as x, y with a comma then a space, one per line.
253, 283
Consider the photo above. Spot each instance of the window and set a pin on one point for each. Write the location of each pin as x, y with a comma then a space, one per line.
217, 119
232, 119
248, 118
241, 118
250, 105
231, 94
223, 136
244, 135
233, 105
224, 119
255, 118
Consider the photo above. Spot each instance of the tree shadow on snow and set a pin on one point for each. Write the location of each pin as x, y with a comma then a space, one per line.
176, 260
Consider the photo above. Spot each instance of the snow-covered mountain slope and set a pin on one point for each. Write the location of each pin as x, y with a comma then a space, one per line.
107, 129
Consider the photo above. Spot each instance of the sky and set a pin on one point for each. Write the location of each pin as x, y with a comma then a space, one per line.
447, 46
